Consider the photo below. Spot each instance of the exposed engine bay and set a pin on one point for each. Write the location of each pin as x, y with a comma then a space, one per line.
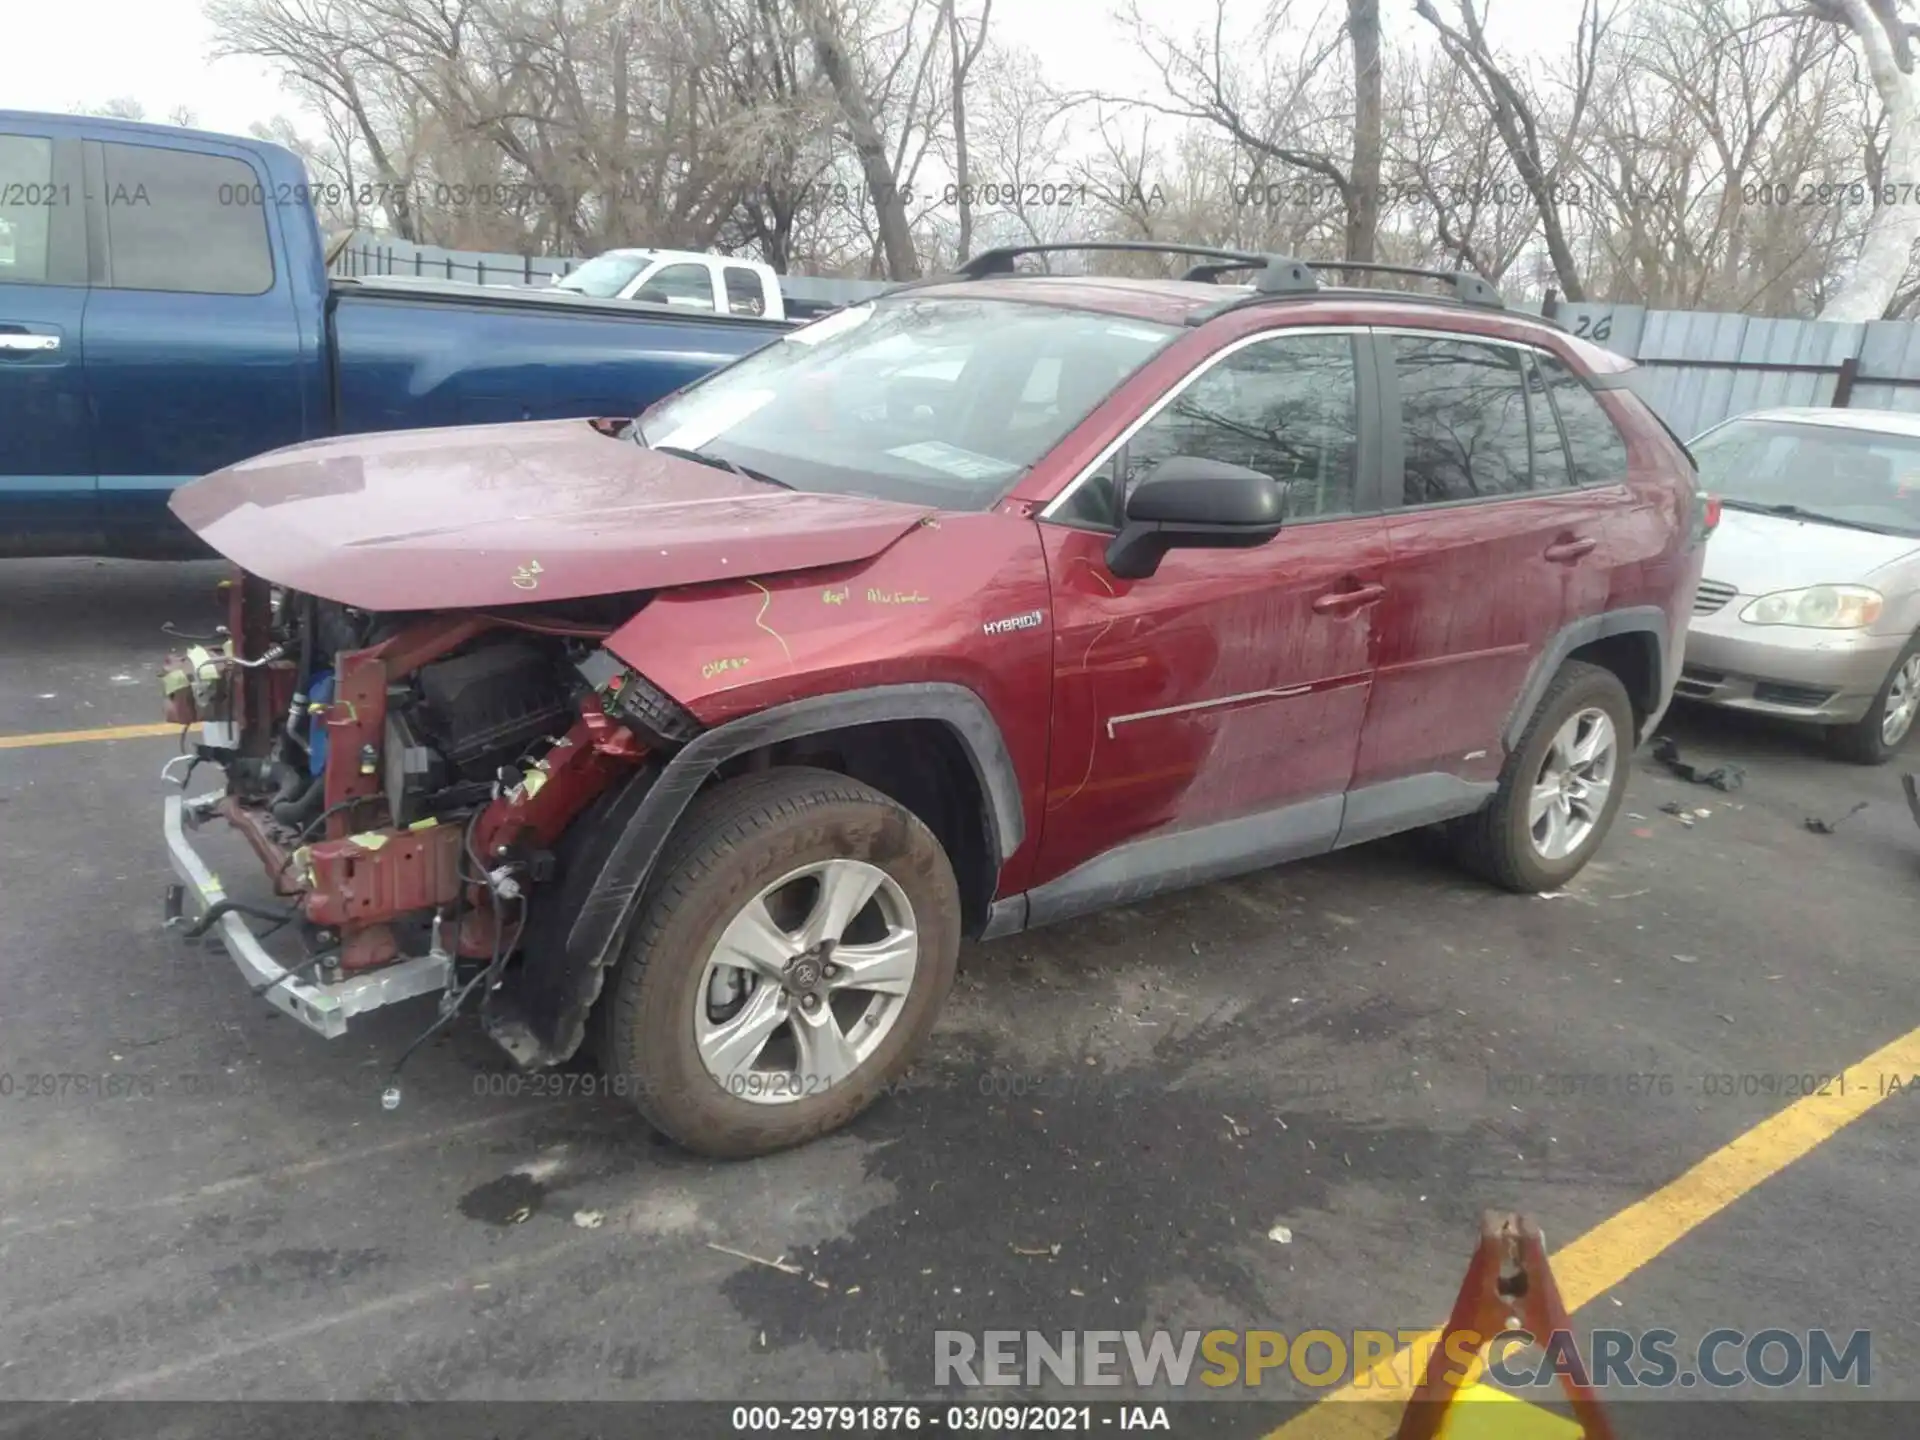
407, 781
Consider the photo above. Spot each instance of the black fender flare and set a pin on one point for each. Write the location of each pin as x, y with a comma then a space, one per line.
545, 1022
1649, 620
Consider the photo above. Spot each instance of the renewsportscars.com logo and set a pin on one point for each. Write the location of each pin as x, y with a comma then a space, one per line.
1628, 1359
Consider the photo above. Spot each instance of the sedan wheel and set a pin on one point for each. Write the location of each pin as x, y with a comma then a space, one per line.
1903, 699
1570, 793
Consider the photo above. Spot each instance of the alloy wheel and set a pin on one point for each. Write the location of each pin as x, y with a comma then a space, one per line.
1903, 700
1570, 793
806, 981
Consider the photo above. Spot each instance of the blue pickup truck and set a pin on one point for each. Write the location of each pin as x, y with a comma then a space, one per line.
165, 310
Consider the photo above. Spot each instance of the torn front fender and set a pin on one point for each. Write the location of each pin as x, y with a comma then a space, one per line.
578, 924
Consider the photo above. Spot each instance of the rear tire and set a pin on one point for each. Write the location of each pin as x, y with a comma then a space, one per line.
1865, 741
1549, 816
741, 1059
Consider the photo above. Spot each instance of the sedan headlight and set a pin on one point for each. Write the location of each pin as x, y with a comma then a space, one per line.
1819, 607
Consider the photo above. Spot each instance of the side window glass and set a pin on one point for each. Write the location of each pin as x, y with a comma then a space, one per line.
27, 199
1286, 407
686, 285
186, 222
1599, 454
1550, 471
1463, 419
744, 295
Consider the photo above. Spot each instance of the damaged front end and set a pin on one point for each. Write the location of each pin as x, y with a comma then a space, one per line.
410, 785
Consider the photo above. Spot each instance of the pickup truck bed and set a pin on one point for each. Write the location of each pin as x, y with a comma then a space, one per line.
165, 311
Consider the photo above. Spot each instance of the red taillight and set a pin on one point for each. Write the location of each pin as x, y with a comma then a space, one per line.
1710, 513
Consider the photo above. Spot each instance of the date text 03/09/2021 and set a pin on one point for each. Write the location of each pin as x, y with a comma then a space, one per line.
960, 1419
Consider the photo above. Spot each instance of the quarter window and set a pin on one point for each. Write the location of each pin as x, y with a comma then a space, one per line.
1599, 454
182, 221
744, 295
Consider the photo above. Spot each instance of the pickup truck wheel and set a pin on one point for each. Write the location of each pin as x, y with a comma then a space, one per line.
1560, 788
1877, 736
798, 938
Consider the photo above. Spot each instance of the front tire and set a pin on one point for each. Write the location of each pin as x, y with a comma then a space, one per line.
796, 943
1560, 788
1876, 737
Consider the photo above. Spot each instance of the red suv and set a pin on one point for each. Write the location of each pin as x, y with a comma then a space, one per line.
704, 740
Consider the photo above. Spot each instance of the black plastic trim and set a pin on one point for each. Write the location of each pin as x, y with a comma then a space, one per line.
1148, 866
613, 899
1630, 620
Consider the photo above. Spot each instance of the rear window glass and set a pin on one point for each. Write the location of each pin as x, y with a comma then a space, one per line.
182, 221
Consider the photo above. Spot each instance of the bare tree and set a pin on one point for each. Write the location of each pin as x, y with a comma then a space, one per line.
1519, 117
1885, 39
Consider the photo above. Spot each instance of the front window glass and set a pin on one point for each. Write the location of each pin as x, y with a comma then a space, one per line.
1864, 478
937, 401
604, 276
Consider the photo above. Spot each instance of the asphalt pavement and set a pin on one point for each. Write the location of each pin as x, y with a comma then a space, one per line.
1114, 1116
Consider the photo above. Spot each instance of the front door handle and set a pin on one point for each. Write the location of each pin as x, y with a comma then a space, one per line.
1565, 552
18, 340
1341, 602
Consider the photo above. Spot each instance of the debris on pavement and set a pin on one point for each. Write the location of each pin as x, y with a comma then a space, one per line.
1679, 812
1827, 827
1688, 959
1280, 1235
780, 1264
1035, 1249
1720, 777
589, 1219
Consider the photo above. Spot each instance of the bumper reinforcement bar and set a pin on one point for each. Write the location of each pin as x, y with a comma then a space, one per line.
323, 1009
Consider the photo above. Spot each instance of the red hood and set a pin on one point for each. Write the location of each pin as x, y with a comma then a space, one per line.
490, 515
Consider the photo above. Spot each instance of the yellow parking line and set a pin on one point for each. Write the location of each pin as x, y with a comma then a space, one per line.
1607, 1254
75, 737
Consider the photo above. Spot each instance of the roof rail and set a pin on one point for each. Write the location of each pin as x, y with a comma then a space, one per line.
1277, 274
1468, 288
1274, 275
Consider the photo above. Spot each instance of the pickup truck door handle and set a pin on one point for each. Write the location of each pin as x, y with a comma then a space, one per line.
1341, 602
19, 340
1565, 552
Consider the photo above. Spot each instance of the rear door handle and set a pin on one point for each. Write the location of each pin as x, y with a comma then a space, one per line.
1339, 602
18, 340
1566, 551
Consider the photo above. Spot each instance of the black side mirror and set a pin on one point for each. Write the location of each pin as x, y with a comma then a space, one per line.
1189, 502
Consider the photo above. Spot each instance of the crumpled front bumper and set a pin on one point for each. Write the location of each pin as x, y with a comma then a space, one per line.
323, 1009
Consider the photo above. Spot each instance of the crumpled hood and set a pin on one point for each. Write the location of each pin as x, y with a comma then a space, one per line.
487, 515
1761, 553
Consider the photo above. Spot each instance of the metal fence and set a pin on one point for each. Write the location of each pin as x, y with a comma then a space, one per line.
1698, 368
379, 255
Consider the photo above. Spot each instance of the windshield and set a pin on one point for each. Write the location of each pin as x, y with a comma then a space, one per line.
942, 402
1865, 478
604, 275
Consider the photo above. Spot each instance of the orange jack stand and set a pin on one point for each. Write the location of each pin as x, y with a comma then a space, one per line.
1508, 1288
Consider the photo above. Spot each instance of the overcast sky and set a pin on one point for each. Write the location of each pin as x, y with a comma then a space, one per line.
67, 53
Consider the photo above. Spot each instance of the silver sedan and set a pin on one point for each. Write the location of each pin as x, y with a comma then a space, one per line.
1810, 601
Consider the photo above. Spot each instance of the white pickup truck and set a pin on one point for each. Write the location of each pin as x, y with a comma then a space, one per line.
684, 279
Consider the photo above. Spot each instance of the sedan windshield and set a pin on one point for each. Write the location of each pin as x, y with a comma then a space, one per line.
943, 402
604, 276
1868, 479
